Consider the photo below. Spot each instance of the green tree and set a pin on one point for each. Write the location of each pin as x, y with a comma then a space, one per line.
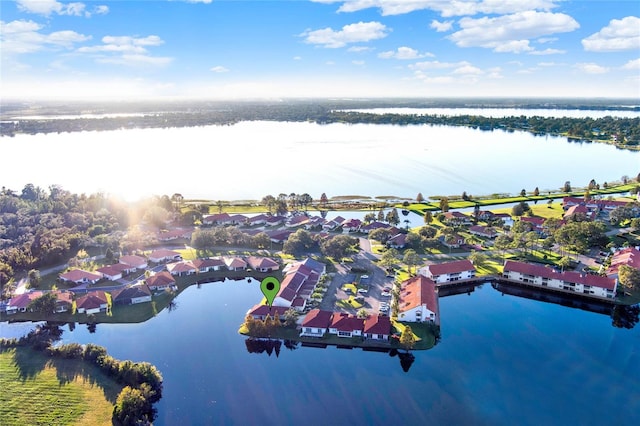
566, 187
523, 193
380, 234
428, 217
564, 262
45, 304
291, 317
261, 240
381, 215
299, 242
339, 246
419, 197
478, 258
269, 202
536, 191
411, 259
362, 313
629, 277
133, 406
444, 204
392, 217
502, 243
407, 338
34, 278
389, 258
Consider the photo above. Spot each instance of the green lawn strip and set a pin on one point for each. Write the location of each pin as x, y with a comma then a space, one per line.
37, 390
420, 208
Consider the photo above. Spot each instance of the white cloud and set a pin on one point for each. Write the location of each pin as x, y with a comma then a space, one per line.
620, 34
634, 64
547, 52
543, 40
359, 49
358, 63
219, 69
547, 64
591, 68
441, 26
24, 37
297, 58
135, 60
404, 53
49, 7
511, 33
353, 33
445, 7
435, 65
468, 69
127, 50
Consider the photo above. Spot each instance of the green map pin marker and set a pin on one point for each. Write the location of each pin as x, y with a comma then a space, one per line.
270, 287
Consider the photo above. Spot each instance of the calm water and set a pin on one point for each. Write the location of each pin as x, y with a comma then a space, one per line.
252, 159
502, 360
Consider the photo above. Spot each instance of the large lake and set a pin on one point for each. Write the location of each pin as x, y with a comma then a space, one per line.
502, 360
249, 160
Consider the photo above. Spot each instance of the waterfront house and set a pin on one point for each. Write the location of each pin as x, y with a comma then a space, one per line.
160, 281
164, 255
629, 256
377, 327
279, 236
79, 276
21, 302
418, 301
296, 221
260, 312
262, 264
316, 323
449, 271
568, 281
346, 325
275, 220
64, 301
113, 272
456, 219
235, 263
208, 264
92, 303
237, 219
375, 225
351, 225
299, 282
485, 215
135, 263
259, 219
184, 267
535, 224
216, 219
332, 224
131, 295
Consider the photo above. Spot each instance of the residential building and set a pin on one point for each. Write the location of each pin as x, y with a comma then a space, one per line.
449, 271
418, 301
568, 281
316, 323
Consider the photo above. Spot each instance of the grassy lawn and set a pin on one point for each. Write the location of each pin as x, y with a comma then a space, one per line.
490, 267
37, 390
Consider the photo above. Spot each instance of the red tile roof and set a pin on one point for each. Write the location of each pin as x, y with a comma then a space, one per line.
80, 275
132, 260
163, 254
23, 300
256, 262
376, 324
92, 300
418, 291
569, 276
112, 270
180, 267
317, 318
207, 262
451, 267
346, 322
161, 279
264, 310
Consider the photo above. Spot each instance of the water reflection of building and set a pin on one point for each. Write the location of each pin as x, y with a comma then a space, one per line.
556, 298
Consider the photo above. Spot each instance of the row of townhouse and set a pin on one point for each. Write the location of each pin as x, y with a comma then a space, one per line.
567, 281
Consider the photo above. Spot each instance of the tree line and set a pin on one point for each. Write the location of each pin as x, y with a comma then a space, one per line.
142, 381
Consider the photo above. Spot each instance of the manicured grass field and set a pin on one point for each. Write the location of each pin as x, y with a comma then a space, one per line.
37, 390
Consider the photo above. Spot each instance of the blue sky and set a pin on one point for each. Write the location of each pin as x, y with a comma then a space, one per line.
360, 48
